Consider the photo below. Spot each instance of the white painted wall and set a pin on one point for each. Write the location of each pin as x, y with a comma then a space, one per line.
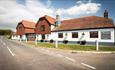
24, 37
54, 35
86, 37
13, 37
52, 27
38, 37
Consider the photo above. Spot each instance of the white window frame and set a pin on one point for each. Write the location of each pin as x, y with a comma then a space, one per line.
106, 32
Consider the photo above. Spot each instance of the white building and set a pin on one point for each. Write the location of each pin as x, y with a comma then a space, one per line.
89, 29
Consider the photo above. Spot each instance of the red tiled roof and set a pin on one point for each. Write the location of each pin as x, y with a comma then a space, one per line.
85, 23
51, 20
28, 24
27, 30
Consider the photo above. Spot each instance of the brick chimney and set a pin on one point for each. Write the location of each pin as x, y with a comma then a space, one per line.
105, 14
58, 22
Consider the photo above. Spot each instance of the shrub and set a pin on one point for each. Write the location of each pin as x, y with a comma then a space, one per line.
42, 40
45, 41
65, 41
78, 42
82, 42
51, 41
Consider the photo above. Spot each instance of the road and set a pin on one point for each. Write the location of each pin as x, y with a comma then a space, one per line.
16, 56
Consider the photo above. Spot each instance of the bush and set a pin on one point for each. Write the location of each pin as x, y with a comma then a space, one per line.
78, 42
51, 41
45, 41
82, 42
42, 40
65, 41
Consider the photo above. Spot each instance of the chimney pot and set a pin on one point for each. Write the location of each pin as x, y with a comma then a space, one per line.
105, 14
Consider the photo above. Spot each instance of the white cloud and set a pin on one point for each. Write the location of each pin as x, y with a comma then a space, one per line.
81, 8
12, 12
38, 8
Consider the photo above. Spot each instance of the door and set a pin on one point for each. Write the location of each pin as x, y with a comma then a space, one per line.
43, 36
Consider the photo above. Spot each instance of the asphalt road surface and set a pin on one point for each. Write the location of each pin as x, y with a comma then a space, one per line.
15, 56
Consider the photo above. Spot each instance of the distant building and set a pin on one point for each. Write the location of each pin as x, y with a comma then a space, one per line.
13, 36
25, 30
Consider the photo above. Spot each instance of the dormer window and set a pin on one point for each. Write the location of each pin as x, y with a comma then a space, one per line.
42, 27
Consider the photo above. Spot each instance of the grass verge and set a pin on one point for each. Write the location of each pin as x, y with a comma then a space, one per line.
72, 46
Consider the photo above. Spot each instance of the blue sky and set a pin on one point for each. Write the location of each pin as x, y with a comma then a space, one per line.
13, 11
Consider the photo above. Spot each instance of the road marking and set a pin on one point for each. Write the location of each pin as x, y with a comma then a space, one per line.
8, 48
89, 66
70, 59
42, 49
1, 40
10, 51
60, 55
4, 44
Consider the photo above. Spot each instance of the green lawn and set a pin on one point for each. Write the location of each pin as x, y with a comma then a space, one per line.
72, 46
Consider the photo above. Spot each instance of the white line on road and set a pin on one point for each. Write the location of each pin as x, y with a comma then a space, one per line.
42, 49
89, 66
70, 59
60, 55
10, 51
4, 44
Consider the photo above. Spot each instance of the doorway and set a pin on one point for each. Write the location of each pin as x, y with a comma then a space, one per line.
43, 36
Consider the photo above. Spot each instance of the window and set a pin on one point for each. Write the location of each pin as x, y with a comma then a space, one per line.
31, 35
105, 35
94, 34
43, 36
60, 35
43, 28
74, 34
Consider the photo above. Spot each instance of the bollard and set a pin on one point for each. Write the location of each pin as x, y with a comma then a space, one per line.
36, 42
26, 40
97, 45
56, 44
20, 40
